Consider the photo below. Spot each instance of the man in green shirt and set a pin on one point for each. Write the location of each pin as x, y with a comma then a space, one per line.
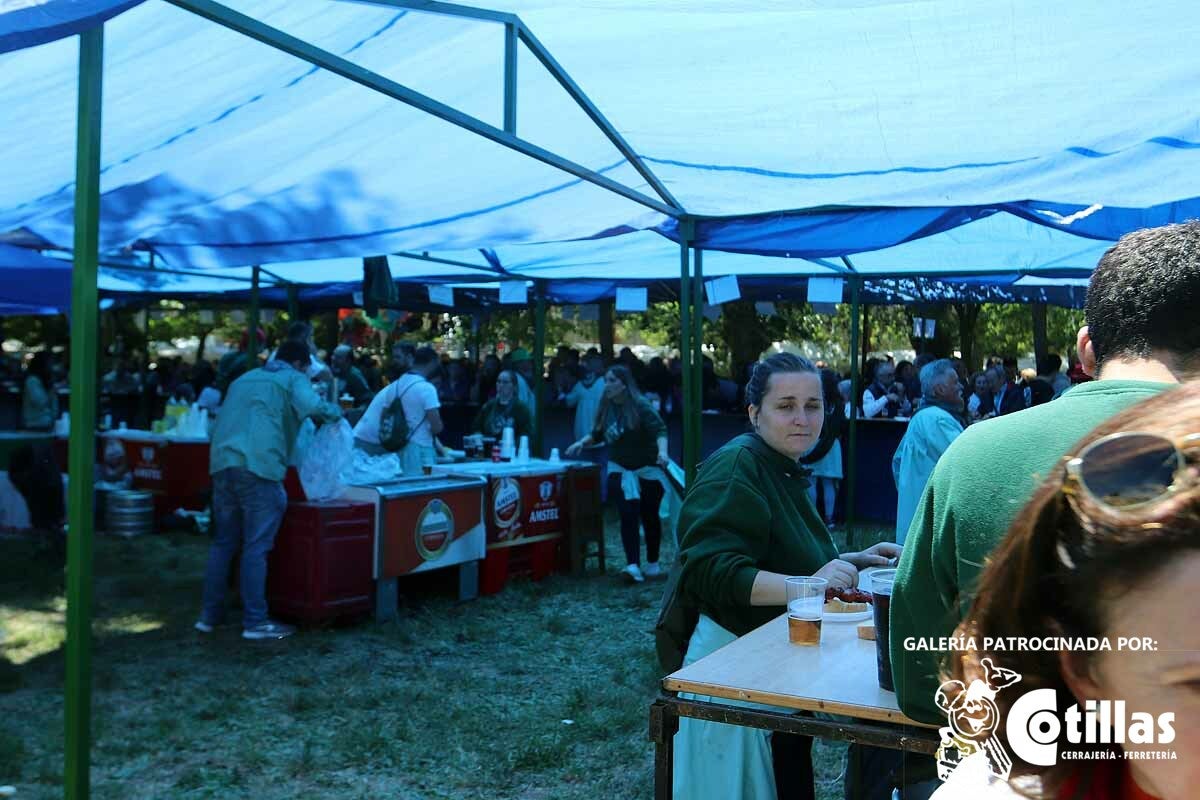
251, 448
1142, 335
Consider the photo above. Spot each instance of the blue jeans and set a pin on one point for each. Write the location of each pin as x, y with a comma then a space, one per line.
247, 511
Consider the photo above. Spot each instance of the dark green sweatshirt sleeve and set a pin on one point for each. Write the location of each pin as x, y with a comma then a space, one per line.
477, 425
923, 605
725, 532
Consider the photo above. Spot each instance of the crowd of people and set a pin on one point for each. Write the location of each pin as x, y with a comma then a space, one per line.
1059, 512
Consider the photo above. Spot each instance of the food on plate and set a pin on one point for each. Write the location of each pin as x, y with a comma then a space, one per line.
846, 601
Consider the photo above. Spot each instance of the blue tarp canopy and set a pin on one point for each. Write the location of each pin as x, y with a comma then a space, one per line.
807, 129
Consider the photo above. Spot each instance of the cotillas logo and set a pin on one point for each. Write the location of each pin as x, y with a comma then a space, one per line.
1034, 726
506, 503
546, 490
974, 718
435, 529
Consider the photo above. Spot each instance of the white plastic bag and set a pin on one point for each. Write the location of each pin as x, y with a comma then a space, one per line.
303, 442
327, 455
365, 469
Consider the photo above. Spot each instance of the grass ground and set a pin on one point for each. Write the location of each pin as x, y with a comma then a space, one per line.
541, 691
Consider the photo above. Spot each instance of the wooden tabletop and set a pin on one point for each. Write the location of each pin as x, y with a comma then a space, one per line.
839, 676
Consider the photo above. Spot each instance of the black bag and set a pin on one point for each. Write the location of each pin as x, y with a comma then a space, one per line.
393, 425
675, 625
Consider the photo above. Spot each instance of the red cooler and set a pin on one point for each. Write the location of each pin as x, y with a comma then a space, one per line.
526, 517
424, 523
320, 567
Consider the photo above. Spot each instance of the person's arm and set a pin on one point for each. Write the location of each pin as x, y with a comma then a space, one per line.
654, 426
306, 403
432, 415
923, 603
870, 406
573, 397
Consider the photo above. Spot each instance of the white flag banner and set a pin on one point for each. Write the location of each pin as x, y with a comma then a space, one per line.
358, 299
589, 313
513, 293
631, 298
722, 290
825, 290
765, 307
441, 295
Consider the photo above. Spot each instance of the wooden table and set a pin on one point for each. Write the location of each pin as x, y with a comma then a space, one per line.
837, 677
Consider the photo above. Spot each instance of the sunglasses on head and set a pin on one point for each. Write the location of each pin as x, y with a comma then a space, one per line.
1128, 471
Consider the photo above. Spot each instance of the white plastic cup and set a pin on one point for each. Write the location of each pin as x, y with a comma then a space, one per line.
554, 455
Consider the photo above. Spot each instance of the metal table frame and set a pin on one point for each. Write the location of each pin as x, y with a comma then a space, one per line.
668, 708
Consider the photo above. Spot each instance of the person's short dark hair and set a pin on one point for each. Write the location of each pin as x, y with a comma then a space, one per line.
922, 360
1049, 364
298, 331
425, 355
756, 389
1010, 361
1144, 294
291, 351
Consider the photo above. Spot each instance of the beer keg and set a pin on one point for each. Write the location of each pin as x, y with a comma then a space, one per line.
129, 513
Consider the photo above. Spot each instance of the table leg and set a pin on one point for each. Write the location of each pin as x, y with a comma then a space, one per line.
664, 723
387, 598
468, 580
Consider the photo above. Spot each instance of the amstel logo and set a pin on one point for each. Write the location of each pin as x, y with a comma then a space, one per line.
506, 504
435, 529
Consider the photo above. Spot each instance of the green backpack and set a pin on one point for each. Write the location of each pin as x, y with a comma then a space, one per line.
393, 426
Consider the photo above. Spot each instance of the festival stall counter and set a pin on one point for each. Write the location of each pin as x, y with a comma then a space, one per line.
525, 513
424, 523
174, 468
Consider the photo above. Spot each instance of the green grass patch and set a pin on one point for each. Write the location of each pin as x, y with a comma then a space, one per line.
541, 691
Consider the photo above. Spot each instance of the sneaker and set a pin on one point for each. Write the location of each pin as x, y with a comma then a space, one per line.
204, 627
268, 630
633, 574
652, 570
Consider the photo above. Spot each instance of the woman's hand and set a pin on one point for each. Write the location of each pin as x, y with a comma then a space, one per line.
879, 555
840, 574
575, 449
663, 459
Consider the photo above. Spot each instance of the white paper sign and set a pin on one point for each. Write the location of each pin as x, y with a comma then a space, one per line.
765, 307
722, 290
237, 316
918, 328
358, 298
930, 327
441, 295
825, 290
631, 298
207, 317
513, 293
711, 313
587, 313
267, 315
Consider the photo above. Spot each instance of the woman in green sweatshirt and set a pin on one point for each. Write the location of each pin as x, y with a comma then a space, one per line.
746, 525
637, 439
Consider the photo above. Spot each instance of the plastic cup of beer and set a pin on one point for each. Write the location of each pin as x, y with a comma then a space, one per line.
881, 589
805, 605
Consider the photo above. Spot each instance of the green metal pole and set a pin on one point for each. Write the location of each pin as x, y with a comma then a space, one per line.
685, 350
293, 295
698, 355
82, 449
539, 365
510, 78
855, 394
252, 326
